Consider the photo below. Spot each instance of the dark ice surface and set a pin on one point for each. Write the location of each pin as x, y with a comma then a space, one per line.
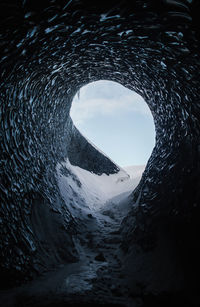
48, 51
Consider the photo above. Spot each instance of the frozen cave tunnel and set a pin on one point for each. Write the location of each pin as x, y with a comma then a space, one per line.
54, 249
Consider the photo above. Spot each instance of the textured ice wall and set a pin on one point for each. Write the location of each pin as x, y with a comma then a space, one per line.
47, 53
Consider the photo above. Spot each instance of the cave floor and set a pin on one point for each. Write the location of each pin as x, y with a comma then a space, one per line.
100, 277
97, 278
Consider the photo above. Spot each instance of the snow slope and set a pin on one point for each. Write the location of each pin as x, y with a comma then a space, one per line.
89, 189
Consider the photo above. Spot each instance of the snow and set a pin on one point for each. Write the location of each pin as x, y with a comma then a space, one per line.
94, 190
135, 171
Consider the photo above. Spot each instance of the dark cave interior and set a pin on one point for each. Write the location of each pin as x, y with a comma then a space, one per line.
48, 52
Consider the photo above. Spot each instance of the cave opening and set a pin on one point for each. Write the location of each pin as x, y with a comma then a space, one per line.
118, 123
116, 120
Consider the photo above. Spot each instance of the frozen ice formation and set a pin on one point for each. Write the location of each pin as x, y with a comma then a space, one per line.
48, 52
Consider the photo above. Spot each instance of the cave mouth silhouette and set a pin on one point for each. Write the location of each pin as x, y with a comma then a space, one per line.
117, 120
48, 53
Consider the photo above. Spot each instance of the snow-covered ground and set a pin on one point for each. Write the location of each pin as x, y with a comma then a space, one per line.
94, 190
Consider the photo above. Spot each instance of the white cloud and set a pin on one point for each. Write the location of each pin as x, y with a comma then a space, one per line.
106, 98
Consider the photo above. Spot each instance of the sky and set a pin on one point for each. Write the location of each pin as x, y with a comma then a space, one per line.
116, 120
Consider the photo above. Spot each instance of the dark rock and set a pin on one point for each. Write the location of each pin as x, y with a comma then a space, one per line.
90, 215
109, 213
100, 257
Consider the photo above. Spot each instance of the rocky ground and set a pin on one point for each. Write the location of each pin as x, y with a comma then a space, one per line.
100, 278
97, 278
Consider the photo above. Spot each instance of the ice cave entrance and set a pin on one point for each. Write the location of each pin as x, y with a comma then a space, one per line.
119, 123
116, 120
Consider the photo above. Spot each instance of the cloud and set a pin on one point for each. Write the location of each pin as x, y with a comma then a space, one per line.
106, 98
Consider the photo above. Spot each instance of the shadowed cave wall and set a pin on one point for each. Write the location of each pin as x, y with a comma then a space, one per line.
48, 53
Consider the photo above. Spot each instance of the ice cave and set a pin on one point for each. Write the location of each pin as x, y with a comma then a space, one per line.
140, 249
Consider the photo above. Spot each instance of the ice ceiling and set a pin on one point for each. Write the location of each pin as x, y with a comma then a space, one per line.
48, 52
